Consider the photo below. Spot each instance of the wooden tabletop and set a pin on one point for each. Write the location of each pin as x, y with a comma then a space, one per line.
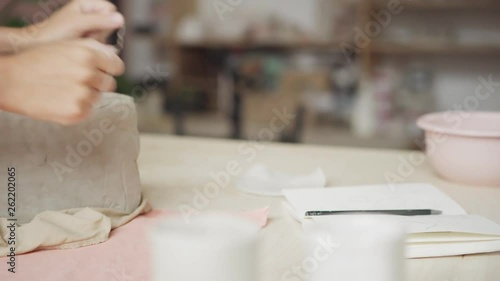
175, 169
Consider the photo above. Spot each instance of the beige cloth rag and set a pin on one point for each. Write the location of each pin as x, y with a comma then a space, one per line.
65, 229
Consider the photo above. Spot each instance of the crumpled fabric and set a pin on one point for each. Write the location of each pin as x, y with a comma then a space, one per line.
72, 228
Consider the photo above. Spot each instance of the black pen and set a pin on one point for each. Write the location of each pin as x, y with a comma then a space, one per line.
409, 212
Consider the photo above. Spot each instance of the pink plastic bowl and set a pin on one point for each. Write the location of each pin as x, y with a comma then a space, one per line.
464, 146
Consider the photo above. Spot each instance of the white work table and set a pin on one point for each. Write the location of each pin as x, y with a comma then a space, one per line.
173, 167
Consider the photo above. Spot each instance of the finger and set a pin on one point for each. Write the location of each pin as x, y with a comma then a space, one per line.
106, 58
100, 6
98, 46
110, 63
75, 114
101, 36
77, 111
103, 82
91, 98
99, 22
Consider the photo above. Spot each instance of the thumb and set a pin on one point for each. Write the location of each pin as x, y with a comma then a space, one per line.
100, 22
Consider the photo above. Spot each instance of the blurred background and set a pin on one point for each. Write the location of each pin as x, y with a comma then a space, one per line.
329, 72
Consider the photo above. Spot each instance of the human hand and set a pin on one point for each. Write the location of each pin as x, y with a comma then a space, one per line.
78, 19
60, 81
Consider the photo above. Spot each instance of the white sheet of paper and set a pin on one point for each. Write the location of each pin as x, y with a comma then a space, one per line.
372, 197
460, 224
440, 249
452, 233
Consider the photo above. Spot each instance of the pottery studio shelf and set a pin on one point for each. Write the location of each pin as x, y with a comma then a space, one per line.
435, 49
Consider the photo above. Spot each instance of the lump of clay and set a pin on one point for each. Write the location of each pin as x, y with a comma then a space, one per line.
90, 164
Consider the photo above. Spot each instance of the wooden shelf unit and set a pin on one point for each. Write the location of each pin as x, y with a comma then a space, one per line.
387, 48
369, 55
443, 4
232, 45
193, 60
378, 47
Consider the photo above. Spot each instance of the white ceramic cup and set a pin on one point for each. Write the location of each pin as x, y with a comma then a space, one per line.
354, 248
214, 247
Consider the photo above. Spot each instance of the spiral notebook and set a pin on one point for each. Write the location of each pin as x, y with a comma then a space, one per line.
453, 232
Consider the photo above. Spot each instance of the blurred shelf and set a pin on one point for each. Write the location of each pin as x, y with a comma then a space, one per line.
442, 5
437, 49
238, 45
328, 135
215, 125
206, 83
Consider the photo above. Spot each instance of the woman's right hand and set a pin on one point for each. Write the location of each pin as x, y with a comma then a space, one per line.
58, 82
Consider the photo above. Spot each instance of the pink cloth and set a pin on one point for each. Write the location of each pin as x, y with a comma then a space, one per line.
124, 257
